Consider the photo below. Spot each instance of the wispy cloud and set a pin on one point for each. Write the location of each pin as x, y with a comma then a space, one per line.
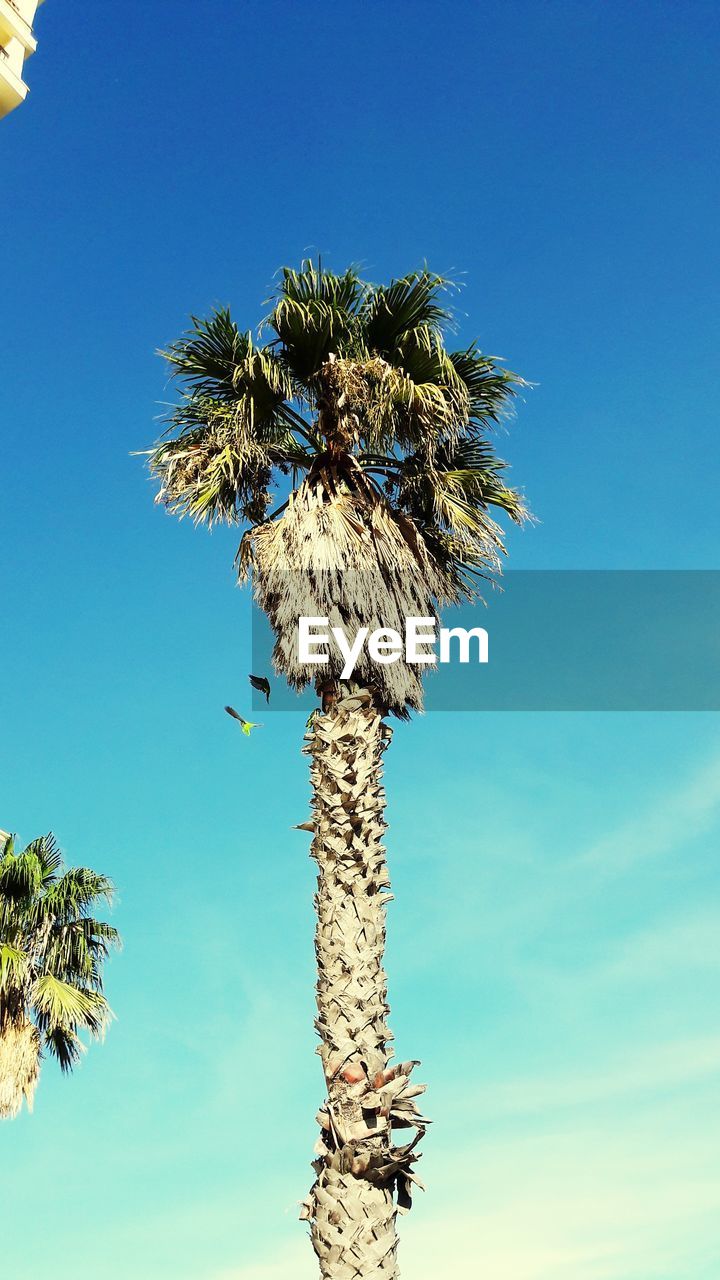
656, 1068
626, 1199
674, 818
603, 1169
671, 946
551, 888
614, 1176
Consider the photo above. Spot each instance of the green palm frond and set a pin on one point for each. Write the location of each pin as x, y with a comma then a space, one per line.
490, 388
404, 410
313, 283
308, 333
74, 891
218, 474
217, 365
60, 1003
316, 313
65, 1046
14, 964
209, 354
77, 948
21, 875
234, 423
406, 305
449, 490
47, 851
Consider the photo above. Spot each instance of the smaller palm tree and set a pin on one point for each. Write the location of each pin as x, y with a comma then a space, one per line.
51, 957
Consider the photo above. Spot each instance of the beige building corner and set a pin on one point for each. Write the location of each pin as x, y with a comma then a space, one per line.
17, 42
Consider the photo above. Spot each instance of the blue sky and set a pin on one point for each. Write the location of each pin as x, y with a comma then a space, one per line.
553, 944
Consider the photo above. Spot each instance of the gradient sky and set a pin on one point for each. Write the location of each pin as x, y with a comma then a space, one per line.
553, 945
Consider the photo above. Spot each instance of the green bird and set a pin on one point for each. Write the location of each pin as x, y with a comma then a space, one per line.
245, 725
262, 684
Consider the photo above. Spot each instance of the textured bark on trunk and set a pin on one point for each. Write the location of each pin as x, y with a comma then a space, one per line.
19, 1066
362, 1179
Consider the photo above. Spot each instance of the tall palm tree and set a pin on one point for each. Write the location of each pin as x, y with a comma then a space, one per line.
373, 440
51, 957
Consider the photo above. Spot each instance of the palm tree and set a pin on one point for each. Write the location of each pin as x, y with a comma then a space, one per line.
374, 442
51, 956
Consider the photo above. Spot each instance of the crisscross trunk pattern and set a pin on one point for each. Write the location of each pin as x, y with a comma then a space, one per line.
362, 1179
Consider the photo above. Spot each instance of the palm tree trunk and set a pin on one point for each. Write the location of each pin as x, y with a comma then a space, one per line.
19, 1066
362, 1179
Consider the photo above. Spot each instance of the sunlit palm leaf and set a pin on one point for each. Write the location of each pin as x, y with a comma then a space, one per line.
60, 1002
233, 425
316, 314
14, 965
209, 354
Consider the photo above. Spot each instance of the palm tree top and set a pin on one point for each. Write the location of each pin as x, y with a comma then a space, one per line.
419, 416
349, 398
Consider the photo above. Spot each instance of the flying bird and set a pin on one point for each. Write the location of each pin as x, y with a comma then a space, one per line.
245, 725
262, 684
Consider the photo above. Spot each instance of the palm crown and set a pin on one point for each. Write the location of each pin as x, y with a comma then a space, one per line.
357, 407
51, 956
